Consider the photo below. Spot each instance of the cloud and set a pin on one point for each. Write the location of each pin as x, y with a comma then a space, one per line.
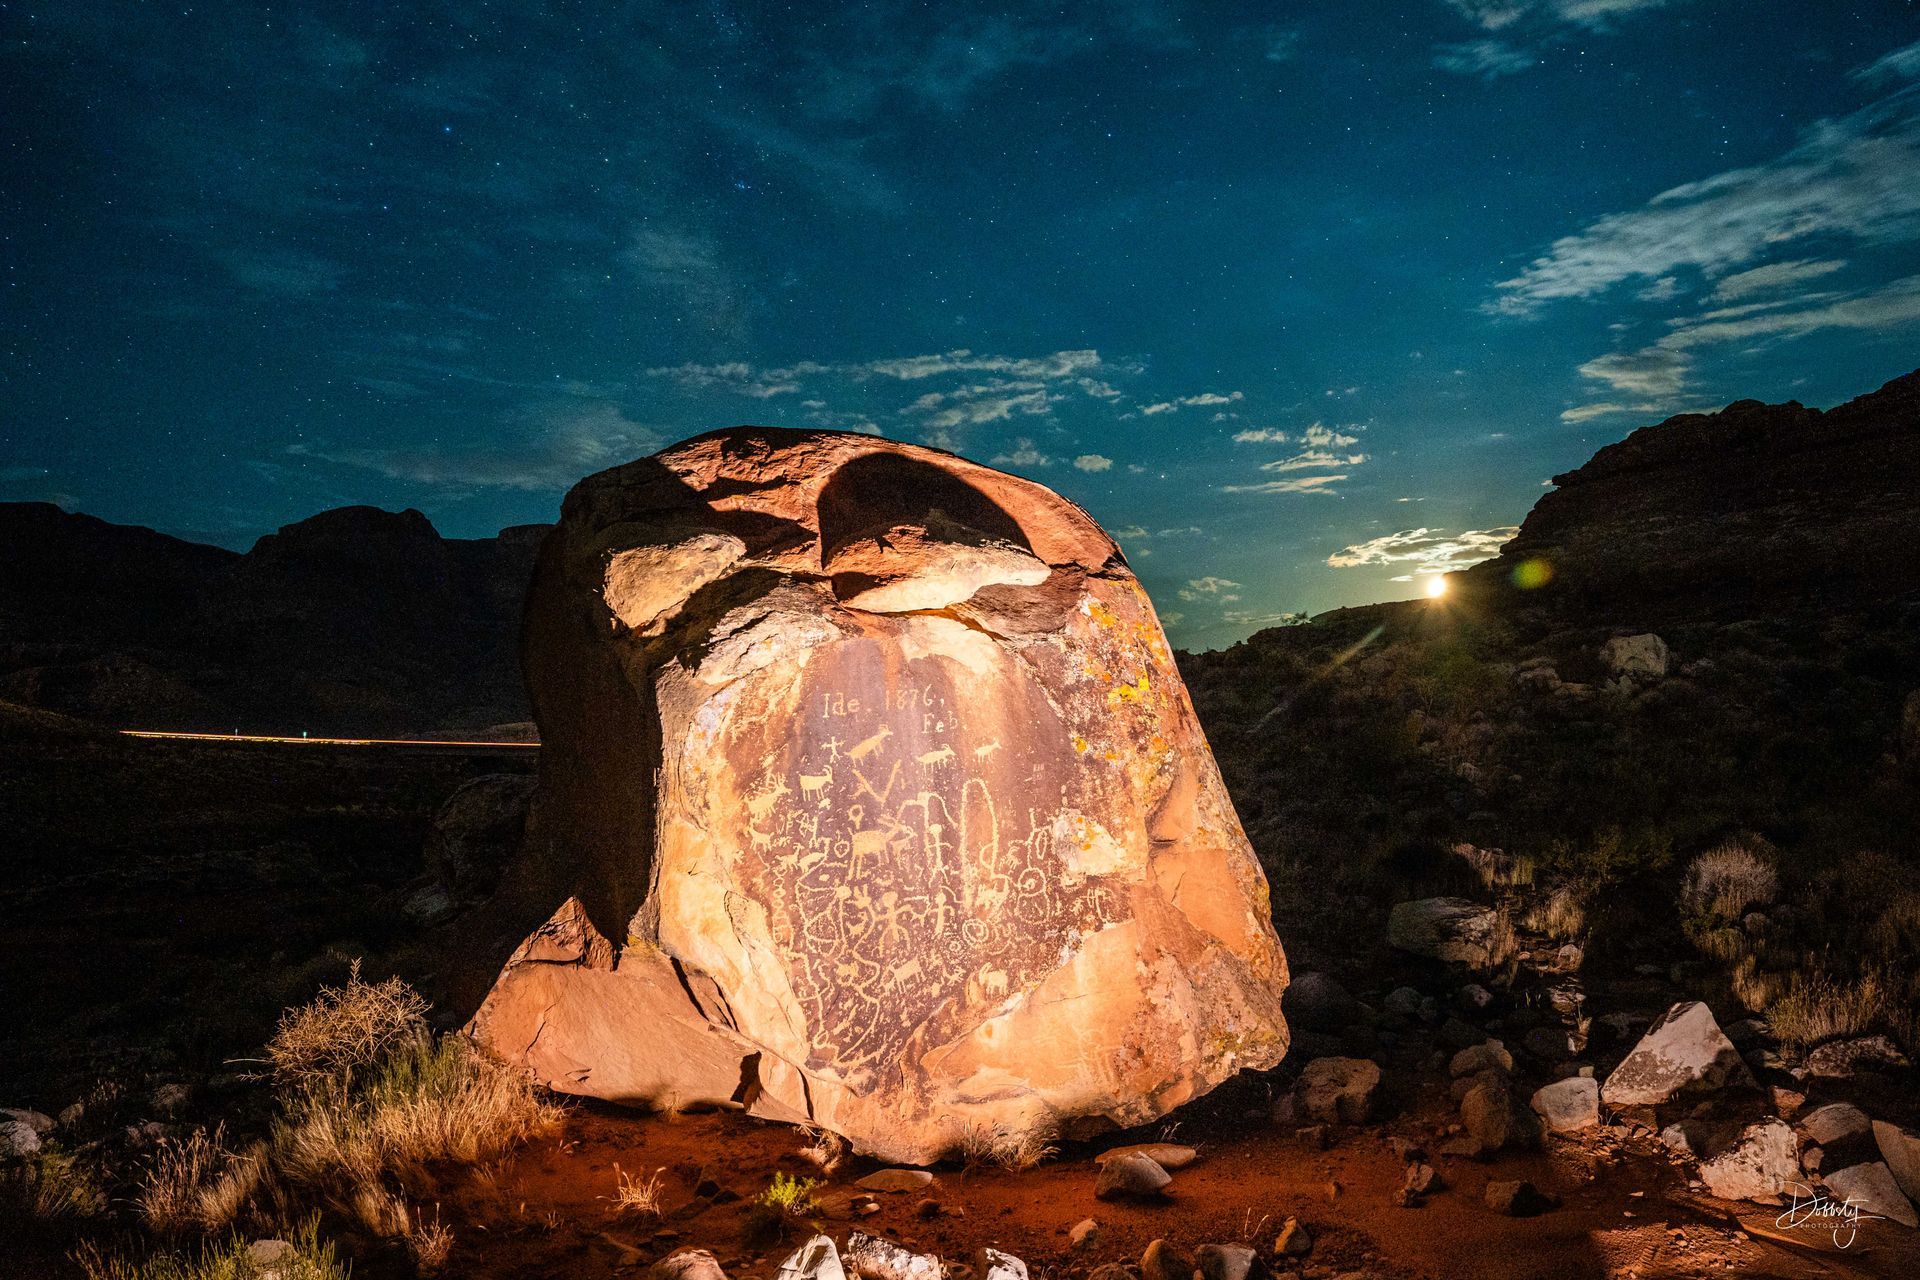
1093, 462
1260, 435
1665, 289
1301, 484
1209, 588
1253, 618
1494, 15
1854, 176
564, 442
1488, 59
1649, 372
287, 273
685, 267
1314, 458
1321, 436
1903, 62
1605, 408
1024, 454
1282, 43
1061, 364
1433, 551
1164, 406
981, 403
1775, 275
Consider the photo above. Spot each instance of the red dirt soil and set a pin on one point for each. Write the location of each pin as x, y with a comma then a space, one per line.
550, 1211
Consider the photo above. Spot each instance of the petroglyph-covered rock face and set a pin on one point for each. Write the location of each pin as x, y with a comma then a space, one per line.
873, 798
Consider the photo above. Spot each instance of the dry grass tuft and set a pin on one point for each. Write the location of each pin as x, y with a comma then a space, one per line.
1817, 1008
1562, 915
827, 1152
196, 1185
1725, 883
631, 1195
312, 1259
345, 1030
996, 1146
51, 1184
430, 1245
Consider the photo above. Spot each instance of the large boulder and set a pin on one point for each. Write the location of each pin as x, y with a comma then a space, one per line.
1337, 1090
1871, 1189
1685, 1051
1759, 1164
871, 797
1900, 1148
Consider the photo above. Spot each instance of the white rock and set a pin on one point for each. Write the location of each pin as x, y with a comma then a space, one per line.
1641, 655
1684, 1050
1900, 1148
1490, 1056
1569, 1105
17, 1138
995, 1264
872, 1258
687, 1264
1133, 1175
1762, 1162
1833, 1122
1445, 928
1870, 1188
39, 1121
817, 1259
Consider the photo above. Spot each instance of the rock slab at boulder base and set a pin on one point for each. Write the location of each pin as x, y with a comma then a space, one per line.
871, 797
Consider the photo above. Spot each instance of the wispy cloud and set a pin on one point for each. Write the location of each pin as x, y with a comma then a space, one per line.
560, 443
1430, 551
1495, 15
686, 265
1023, 454
1093, 462
1224, 590
1855, 176
1301, 484
1261, 435
1321, 447
1488, 59
1772, 277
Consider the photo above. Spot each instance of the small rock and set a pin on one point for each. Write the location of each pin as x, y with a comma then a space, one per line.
17, 1138
927, 1209
1900, 1148
1422, 1179
271, 1258
1163, 1261
1294, 1240
1407, 1149
1786, 1101
1569, 1105
72, 1114
1870, 1188
1490, 1055
1457, 1034
997, 1264
1316, 1002
687, 1264
1517, 1199
1168, 1155
1548, 1044
1494, 1119
1835, 1122
817, 1259
1761, 1163
1465, 1148
1228, 1262
872, 1258
1676, 1138
1444, 928
1840, 1059
896, 1180
1134, 1175
1475, 996
1085, 1234
172, 1098
1404, 1002
1641, 657
1338, 1090
38, 1121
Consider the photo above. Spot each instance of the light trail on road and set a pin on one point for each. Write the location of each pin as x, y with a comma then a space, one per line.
181, 736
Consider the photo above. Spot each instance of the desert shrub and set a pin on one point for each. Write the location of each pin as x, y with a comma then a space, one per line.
52, 1184
1724, 883
430, 1244
786, 1203
430, 1102
827, 1152
1561, 915
1755, 988
632, 1195
312, 1259
1817, 1007
993, 1145
347, 1029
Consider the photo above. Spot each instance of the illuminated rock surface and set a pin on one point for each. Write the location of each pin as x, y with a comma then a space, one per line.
874, 799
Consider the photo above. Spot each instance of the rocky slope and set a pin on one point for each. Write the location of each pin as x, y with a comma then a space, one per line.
355, 620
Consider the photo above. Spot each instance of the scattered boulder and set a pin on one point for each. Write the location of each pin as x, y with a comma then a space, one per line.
1421, 1179
17, 1138
1338, 1090
1835, 1122
1517, 1199
271, 1258
1494, 1119
872, 1258
1636, 657
732, 648
1759, 1164
688, 1264
1228, 1262
1841, 1059
1316, 1002
1871, 1189
1168, 1155
997, 1264
1131, 1176
896, 1180
1165, 1261
1452, 929
1900, 1148
1488, 1056
1570, 1105
1683, 1051
817, 1259
1294, 1240
1085, 1233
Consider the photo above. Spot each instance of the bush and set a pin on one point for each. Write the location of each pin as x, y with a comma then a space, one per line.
347, 1029
995, 1145
787, 1202
196, 1185
51, 1184
312, 1259
1817, 1008
1723, 884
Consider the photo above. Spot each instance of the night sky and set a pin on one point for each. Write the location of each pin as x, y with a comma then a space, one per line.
1302, 301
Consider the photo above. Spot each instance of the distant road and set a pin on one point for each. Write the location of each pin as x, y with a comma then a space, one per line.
321, 742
